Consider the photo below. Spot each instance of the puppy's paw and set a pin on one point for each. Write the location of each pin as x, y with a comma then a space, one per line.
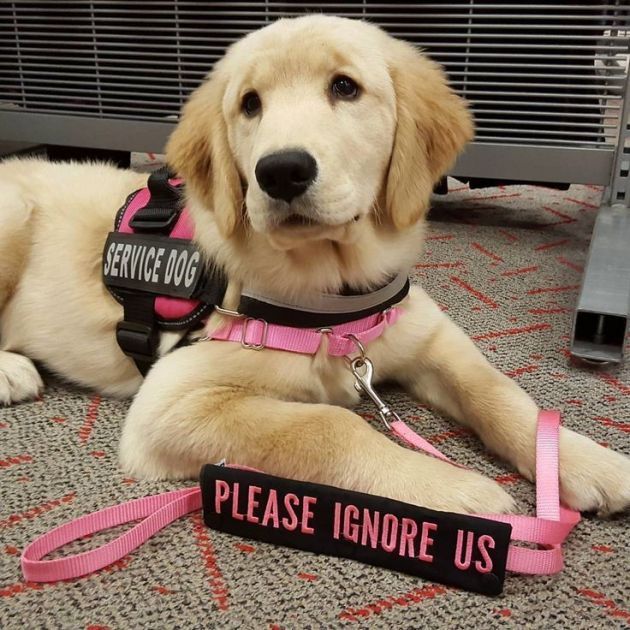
593, 478
19, 379
471, 493
439, 485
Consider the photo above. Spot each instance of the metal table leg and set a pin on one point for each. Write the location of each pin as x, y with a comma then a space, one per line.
603, 309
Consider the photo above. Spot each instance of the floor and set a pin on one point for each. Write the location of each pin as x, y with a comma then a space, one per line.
506, 264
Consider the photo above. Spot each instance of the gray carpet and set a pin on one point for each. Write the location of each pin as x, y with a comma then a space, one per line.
506, 265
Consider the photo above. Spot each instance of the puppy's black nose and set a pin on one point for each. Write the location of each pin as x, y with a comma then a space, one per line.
286, 174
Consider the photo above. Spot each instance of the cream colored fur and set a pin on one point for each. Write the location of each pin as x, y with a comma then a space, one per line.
378, 157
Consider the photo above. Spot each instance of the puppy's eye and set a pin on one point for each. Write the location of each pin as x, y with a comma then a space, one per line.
251, 104
344, 87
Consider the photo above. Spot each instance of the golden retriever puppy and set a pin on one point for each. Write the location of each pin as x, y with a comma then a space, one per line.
375, 126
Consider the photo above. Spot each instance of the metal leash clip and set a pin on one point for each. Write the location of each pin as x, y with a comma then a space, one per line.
363, 370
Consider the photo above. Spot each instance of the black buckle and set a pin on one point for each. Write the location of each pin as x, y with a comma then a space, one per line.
163, 207
153, 223
139, 341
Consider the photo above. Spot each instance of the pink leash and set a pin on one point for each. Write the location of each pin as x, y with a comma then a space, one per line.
549, 528
552, 523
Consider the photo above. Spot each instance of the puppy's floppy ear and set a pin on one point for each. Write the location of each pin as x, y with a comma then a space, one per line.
198, 150
433, 125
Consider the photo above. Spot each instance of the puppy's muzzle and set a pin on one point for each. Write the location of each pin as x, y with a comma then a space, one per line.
286, 174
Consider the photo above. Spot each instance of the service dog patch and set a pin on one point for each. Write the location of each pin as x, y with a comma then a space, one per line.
152, 263
456, 549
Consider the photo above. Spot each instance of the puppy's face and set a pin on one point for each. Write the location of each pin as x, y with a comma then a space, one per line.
310, 127
311, 116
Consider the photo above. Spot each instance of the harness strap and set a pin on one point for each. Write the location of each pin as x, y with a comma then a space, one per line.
550, 528
137, 333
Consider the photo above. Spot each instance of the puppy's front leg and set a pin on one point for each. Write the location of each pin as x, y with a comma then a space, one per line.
448, 371
177, 424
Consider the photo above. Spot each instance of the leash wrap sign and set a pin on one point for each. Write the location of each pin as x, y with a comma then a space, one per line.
456, 549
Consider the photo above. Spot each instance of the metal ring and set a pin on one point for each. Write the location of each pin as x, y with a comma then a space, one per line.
356, 364
358, 344
263, 338
228, 312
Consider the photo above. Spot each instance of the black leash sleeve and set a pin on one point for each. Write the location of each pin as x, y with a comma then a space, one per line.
465, 551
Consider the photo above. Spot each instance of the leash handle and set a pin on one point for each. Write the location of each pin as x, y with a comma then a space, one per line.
157, 510
549, 529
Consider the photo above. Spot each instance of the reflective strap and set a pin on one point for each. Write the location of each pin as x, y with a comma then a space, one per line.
324, 309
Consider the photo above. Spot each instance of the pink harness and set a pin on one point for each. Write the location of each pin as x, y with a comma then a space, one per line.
168, 309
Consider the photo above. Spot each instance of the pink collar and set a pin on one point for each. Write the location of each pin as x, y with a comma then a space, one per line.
256, 334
